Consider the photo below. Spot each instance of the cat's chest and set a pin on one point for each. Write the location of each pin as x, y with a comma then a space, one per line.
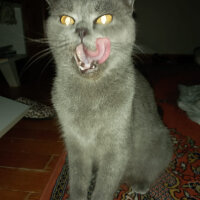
90, 108
89, 103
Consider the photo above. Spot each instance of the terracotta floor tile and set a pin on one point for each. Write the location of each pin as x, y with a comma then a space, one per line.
31, 146
52, 162
24, 160
12, 195
28, 155
37, 124
23, 180
34, 196
34, 134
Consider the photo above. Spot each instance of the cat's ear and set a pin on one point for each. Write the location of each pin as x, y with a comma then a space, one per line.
50, 2
130, 3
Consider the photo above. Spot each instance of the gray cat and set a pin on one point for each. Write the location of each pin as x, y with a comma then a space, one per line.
105, 107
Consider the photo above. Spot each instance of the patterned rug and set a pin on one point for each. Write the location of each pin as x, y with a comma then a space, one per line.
37, 110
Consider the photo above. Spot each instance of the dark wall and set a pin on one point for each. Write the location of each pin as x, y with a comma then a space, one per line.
168, 26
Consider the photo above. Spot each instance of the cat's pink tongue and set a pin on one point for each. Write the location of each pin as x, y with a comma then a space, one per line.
100, 55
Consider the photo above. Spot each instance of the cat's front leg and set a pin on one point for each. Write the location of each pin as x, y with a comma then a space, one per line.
108, 178
80, 172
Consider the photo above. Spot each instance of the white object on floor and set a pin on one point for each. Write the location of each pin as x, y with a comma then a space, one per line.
189, 101
10, 113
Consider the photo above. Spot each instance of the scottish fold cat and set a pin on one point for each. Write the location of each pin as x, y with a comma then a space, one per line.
105, 107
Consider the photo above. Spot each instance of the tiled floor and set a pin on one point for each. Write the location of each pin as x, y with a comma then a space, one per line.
28, 155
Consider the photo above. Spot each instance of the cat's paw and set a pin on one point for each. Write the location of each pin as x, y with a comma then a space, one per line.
140, 188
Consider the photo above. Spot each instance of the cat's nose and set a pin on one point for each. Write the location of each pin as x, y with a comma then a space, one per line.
82, 32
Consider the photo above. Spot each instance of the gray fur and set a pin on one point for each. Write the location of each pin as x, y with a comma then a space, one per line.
108, 118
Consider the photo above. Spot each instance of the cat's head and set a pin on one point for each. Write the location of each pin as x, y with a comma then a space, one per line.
91, 36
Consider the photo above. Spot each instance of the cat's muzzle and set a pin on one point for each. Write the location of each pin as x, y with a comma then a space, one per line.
89, 61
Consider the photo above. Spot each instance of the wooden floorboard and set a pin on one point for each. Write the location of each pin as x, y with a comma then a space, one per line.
23, 160
27, 180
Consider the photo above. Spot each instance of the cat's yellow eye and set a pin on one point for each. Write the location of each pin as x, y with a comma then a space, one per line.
105, 19
67, 20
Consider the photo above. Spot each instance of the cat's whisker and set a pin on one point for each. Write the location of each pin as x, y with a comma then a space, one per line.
40, 55
40, 40
137, 51
44, 40
46, 65
37, 54
138, 48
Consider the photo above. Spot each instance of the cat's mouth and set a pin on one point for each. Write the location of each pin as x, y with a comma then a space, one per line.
89, 61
